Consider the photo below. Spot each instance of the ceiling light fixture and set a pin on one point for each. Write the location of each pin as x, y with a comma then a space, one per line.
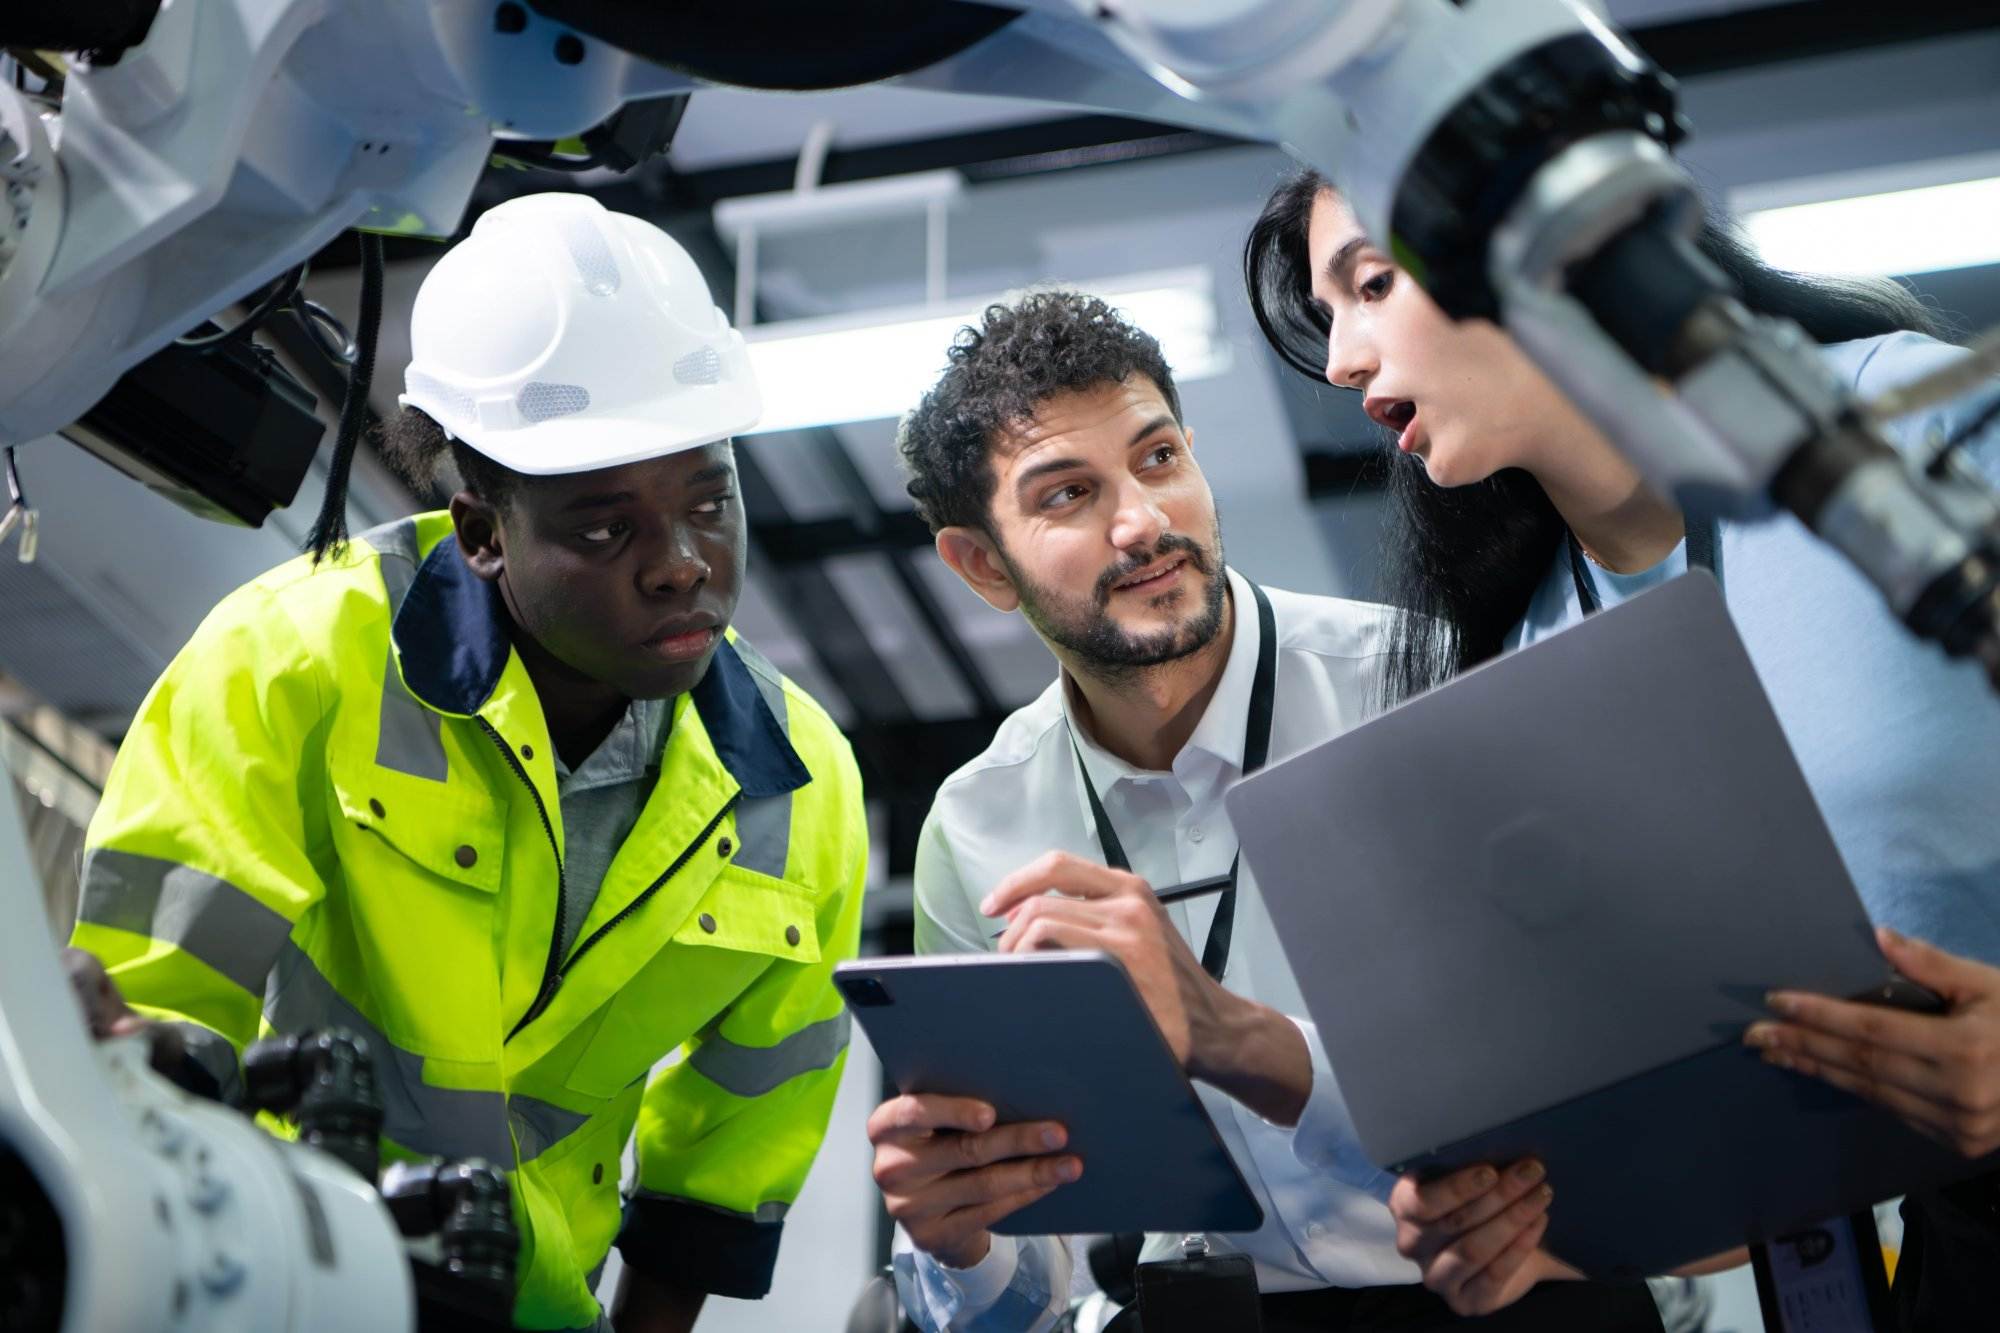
825, 372
1863, 232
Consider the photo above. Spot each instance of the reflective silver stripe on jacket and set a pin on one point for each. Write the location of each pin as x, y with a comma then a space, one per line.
206, 916
540, 1125
770, 683
752, 1071
764, 827
395, 543
411, 739
452, 1122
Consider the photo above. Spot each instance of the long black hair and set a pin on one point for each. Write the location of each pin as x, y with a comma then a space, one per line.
1467, 560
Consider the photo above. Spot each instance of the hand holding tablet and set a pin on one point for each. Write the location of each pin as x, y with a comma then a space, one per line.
1064, 1044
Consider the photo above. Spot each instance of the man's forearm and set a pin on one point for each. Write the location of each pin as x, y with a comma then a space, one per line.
646, 1306
1256, 1055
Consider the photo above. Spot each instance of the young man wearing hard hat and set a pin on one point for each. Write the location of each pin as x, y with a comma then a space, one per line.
500, 790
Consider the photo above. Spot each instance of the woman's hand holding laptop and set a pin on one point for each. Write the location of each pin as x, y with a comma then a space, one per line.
1939, 1072
1475, 1232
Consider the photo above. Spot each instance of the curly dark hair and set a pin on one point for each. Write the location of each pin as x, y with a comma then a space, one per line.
416, 447
1020, 356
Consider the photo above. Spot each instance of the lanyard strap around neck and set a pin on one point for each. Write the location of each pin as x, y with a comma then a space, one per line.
1256, 749
1701, 539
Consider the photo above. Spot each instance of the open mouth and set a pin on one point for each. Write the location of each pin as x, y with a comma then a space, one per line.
1399, 415
1154, 577
1402, 418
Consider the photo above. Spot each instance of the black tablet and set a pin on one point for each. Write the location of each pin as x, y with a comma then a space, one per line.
1059, 1036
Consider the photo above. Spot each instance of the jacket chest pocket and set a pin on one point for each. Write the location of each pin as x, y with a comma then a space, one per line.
744, 924
756, 914
422, 827
421, 866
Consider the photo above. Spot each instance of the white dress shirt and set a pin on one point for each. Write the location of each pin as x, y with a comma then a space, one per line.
1326, 1223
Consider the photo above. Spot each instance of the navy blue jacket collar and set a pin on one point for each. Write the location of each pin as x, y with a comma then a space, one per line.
451, 637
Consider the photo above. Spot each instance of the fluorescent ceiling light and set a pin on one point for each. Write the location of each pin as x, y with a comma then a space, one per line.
824, 372
824, 206
1875, 235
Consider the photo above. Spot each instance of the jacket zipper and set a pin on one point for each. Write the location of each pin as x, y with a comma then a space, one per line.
558, 969
550, 974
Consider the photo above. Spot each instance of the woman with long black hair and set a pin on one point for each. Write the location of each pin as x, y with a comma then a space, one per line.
1511, 516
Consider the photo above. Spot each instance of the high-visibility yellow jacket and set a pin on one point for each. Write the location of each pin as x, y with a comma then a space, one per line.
338, 807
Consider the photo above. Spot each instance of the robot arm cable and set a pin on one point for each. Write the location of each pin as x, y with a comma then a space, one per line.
329, 531
282, 293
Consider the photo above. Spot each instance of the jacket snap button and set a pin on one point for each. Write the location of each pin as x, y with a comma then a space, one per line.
467, 858
792, 935
725, 847
375, 806
527, 752
708, 923
597, 1174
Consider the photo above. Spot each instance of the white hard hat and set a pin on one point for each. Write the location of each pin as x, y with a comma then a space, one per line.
562, 337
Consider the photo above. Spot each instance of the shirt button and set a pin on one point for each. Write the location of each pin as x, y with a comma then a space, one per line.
1315, 1229
707, 923
792, 935
1195, 834
466, 857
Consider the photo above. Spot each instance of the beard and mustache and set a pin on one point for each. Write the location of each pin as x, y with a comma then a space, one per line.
1097, 642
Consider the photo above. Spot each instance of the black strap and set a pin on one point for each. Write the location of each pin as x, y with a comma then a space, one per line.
1701, 553
1256, 749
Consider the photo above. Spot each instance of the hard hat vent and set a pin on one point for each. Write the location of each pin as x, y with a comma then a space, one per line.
540, 401
454, 406
591, 255
703, 366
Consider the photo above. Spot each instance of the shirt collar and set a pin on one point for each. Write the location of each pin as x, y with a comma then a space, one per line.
628, 754
1220, 730
452, 645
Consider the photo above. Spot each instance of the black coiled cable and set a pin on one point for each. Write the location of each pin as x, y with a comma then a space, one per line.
329, 530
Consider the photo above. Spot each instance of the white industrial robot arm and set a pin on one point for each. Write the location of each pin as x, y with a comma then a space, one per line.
233, 142
127, 1204
1513, 155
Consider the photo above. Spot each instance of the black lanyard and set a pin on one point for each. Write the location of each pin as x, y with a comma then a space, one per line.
1701, 555
1256, 749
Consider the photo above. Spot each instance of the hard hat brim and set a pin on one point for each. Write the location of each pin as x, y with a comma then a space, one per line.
593, 444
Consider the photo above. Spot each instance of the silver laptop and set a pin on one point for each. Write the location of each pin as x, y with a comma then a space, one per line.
1533, 911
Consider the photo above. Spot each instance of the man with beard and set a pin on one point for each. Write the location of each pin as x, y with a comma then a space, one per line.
1052, 463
